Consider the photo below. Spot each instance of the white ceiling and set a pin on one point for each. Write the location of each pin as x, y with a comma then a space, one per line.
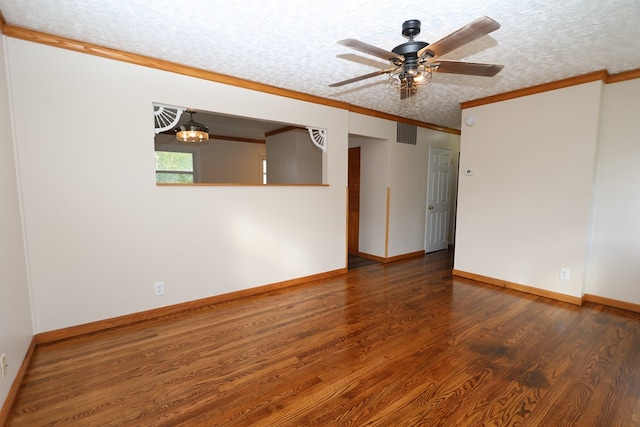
292, 43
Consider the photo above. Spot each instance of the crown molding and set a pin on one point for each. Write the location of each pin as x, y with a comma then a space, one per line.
602, 75
624, 76
16, 32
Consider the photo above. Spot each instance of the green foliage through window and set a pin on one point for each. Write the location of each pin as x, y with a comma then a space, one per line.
173, 167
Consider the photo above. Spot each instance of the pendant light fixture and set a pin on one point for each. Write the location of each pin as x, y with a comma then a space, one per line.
191, 131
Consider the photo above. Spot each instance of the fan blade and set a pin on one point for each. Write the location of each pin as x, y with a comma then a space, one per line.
470, 32
357, 79
468, 68
370, 49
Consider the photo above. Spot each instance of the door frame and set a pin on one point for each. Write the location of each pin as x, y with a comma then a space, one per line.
353, 199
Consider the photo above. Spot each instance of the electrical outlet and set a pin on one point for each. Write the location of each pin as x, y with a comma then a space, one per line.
565, 273
158, 288
3, 365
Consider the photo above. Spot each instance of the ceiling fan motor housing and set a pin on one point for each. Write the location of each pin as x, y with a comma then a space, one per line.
411, 28
410, 49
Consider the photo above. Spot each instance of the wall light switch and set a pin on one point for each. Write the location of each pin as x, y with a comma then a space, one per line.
468, 172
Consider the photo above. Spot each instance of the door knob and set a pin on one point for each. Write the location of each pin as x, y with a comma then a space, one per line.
430, 207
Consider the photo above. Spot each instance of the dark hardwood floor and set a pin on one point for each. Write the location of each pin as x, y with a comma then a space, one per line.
399, 344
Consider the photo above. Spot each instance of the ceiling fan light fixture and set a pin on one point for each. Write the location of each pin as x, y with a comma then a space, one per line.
400, 78
192, 131
411, 69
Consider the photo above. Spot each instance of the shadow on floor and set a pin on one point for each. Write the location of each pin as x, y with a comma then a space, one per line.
356, 261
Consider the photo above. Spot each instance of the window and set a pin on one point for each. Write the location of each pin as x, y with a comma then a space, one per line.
263, 161
174, 167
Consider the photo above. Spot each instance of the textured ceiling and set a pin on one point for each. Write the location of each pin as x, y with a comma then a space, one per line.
292, 43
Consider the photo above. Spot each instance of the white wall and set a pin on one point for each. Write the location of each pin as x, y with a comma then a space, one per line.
100, 232
409, 178
374, 166
16, 328
407, 211
525, 212
373, 136
293, 158
614, 267
403, 168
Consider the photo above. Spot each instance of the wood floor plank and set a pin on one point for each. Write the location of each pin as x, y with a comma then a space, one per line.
397, 344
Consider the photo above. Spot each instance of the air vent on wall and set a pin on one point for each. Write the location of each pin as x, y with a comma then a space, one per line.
406, 134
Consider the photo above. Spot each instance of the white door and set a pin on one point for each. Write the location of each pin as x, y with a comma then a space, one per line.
438, 199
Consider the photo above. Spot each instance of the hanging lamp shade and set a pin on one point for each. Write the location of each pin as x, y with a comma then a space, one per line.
192, 131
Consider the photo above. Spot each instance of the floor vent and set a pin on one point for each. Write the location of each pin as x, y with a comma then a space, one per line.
406, 134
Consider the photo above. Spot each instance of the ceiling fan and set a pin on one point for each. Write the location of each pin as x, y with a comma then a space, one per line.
413, 62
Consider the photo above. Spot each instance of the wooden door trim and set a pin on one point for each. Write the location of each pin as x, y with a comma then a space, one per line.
386, 231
